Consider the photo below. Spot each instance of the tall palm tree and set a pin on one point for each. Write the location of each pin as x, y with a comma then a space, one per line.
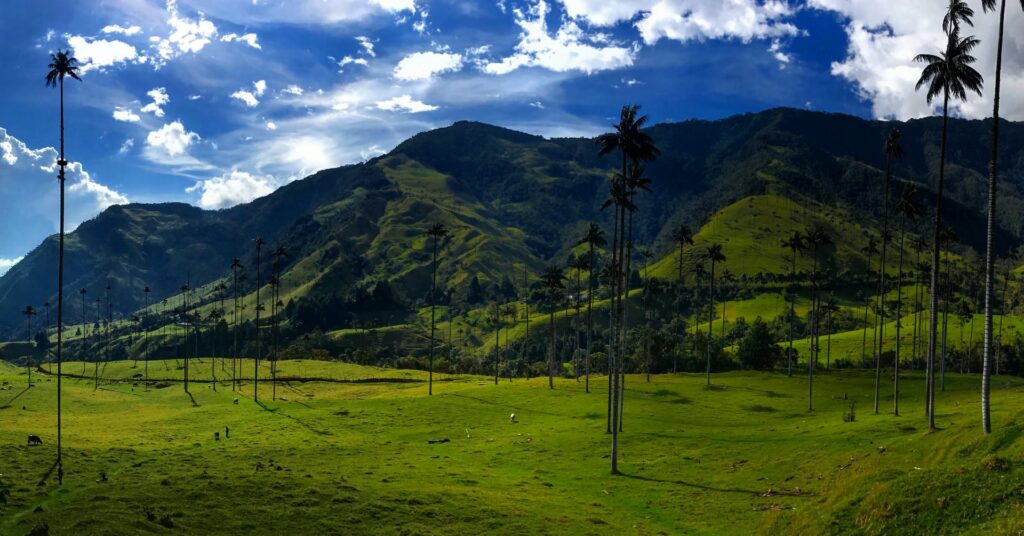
145, 326
437, 232
893, 151
714, 255
184, 322
634, 146
553, 283
236, 264
795, 243
907, 208
817, 238
578, 263
950, 75
260, 242
683, 237
869, 251
62, 65
993, 175
594, 239
29, 312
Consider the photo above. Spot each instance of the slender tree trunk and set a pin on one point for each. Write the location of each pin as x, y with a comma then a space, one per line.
933, 305
899, 322
60, 291
259, 350
986, 371
711, 314
881, 282
864, 337
812, 358
945, 329
590, 315
999, 337
792, 318
433, 306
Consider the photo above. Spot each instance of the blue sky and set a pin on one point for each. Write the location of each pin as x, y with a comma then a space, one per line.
216, 102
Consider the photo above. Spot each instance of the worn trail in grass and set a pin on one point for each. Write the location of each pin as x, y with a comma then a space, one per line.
742, 456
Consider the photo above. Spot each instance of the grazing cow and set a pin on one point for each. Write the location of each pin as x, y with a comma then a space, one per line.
236, 401
512, 418
227, 433
216, 436
34, 440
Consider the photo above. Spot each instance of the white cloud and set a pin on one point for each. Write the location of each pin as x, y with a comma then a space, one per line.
271, 125
7, 264
312, 12
404, 103
159, 99
367, 45
231, 189
293, 90
687, 20
100, 53
126, 115
570, 49
126, 146
171, 139
28, 188
347, 60
249, 39
186, 36
537, 104
777, 52
117, 29
884, 36
424, 65
251, 98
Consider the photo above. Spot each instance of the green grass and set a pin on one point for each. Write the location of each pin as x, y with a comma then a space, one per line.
344, 458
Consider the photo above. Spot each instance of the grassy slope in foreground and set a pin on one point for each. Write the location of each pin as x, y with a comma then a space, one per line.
743, 457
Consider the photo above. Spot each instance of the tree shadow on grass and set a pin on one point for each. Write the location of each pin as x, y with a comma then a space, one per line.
7, 404
692, 485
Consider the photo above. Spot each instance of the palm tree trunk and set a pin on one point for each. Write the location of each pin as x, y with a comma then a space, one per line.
881, 283
792, 317
999, 337
899, 322
711, 302
590, 314
986, 371
256, 363
60, 289
864, 337
812, 357
933, 305
945, 329
433, 318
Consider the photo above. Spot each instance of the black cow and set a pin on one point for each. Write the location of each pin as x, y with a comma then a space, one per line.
34, 440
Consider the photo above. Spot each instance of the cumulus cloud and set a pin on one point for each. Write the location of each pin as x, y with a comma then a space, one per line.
404, 103
885, 36
687, 20
251, 98
7, 264
158, 98
28, 186
569, 49
186, 35
231, 189
171, 139
424, 65
117, 29
249, 39
347, 60
101, 53
293, 90
126, 115
367, 45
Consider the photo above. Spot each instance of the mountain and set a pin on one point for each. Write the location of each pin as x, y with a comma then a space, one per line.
355, 234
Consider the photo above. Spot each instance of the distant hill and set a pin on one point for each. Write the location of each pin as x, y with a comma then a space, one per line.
513, 201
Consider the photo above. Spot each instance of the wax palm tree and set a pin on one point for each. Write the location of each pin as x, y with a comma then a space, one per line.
236, 265
593, 239
437, 232
28, 313
714, 255
869, 251
946, 237
893, 151
908, 209
184, 322
957, 12
634, 146
260, 242
949, 75
578, 263
993, 175
62, 65
553, 283
795, 244
817, 238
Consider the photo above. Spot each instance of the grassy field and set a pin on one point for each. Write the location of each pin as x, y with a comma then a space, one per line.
341, 458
